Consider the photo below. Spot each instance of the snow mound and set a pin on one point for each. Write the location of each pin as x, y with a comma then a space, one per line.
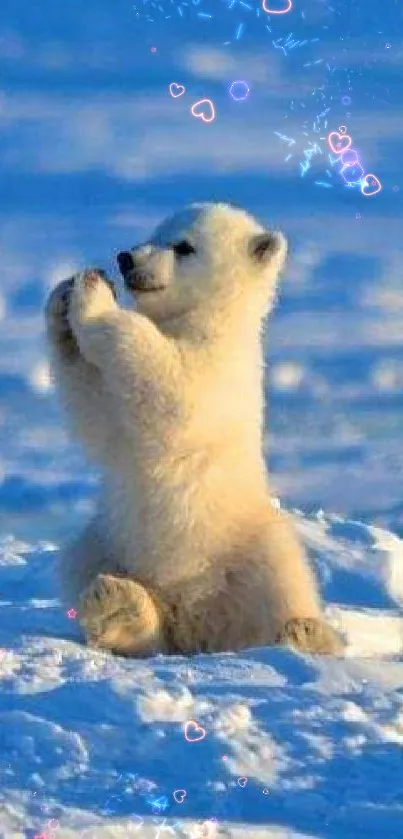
283, 745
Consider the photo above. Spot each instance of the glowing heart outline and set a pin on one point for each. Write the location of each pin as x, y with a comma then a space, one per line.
200, 114
277, 11
196, 727
179, 795
242, 781
365, 185
179, 87
343, 137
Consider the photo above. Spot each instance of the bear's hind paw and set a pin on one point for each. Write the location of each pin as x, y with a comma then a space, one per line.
118, 614
311, 635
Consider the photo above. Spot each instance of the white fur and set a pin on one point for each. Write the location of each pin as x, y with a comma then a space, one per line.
169, 400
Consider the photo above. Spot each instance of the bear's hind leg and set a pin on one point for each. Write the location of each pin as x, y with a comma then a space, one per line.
297, 614
119, 614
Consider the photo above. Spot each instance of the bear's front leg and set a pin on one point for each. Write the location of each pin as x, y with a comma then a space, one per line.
118, 614
132, 355
80, 385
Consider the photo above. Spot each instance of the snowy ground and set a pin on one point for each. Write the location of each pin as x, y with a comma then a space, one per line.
289, 746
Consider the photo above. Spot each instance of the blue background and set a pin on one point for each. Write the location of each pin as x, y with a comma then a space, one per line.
94, 152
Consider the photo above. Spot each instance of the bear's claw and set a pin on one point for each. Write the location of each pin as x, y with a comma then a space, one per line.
92, 276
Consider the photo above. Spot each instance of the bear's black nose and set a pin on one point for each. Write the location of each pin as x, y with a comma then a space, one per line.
125, 262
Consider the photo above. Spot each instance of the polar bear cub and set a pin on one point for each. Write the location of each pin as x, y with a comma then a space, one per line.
186, 551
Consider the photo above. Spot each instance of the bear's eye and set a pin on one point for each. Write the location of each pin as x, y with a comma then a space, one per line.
183, 248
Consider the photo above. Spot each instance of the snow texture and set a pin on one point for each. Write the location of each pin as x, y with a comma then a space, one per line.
285, 746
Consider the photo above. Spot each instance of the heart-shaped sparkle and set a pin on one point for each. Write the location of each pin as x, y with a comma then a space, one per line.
339, 143
370, 185
287, 8
204, 110
194, 732
176, 90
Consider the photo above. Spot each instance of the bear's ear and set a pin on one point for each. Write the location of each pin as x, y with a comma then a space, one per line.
263, 246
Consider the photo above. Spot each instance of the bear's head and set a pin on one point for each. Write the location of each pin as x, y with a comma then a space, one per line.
206, 257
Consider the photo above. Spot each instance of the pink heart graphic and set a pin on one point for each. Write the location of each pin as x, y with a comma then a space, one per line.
370, 185
176, 89
194, 732
277, 11
204, 110
339, 143
242, 782
179, 795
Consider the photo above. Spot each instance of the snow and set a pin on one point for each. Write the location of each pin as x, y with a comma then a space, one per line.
284, 745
